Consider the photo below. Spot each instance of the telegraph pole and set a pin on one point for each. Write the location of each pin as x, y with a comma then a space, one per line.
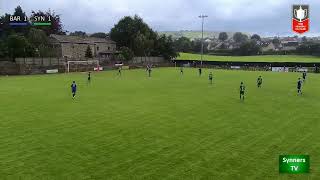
202, 19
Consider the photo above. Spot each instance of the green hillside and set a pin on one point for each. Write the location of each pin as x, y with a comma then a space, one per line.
194, 34
269, 58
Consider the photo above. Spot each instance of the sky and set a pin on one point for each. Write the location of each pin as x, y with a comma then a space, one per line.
267, 17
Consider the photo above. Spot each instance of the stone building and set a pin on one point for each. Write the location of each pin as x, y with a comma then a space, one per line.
75, 47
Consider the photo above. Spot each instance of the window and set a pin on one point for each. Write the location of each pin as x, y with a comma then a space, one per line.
97, 48
108, 48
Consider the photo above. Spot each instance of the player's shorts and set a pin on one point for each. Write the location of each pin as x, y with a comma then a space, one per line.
241, 92
89, 79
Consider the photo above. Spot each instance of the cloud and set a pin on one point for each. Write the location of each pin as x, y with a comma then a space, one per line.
265, 17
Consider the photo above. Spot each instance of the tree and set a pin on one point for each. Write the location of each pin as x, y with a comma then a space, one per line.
164, 47
19, 12
18, 46
120, 57
3, 49
183, 44
4, 25
126, 53
88, 52
238, 37
99, 35
7, 29
27, 40
132, 32
223, 36
78, 33
24, 29
309, 48
140, 42
135, 34
256, 37
196, 46
39, 40
37, 37
247, 48
56, 24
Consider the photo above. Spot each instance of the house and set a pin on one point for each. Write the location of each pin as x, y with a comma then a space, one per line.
289, 45
268, 46
75, 46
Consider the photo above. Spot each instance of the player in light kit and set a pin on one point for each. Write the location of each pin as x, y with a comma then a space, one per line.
259, 82
73, 89
299, 86
181, 70
210, 77
242, 89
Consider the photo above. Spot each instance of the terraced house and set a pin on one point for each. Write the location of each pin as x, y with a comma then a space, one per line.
75, 47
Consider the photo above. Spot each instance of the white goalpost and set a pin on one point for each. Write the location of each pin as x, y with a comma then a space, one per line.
90, 65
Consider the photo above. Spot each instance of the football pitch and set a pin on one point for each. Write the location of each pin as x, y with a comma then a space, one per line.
164, 127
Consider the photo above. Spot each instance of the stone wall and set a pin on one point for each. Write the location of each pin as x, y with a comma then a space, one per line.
104, 47
41, 61
40, 65
8, 68
78, 50
75, 50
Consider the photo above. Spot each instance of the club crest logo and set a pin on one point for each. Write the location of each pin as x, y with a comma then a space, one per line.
300, 18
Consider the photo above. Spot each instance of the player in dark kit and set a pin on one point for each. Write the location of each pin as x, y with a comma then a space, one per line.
119, 71
89, 77
299, 86
73, 89
304, 75
242, 89
149, 70
200, 71
259, 82
210, 77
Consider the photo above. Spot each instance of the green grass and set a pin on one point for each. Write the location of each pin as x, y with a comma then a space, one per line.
164, 127
267, 58
195, 34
